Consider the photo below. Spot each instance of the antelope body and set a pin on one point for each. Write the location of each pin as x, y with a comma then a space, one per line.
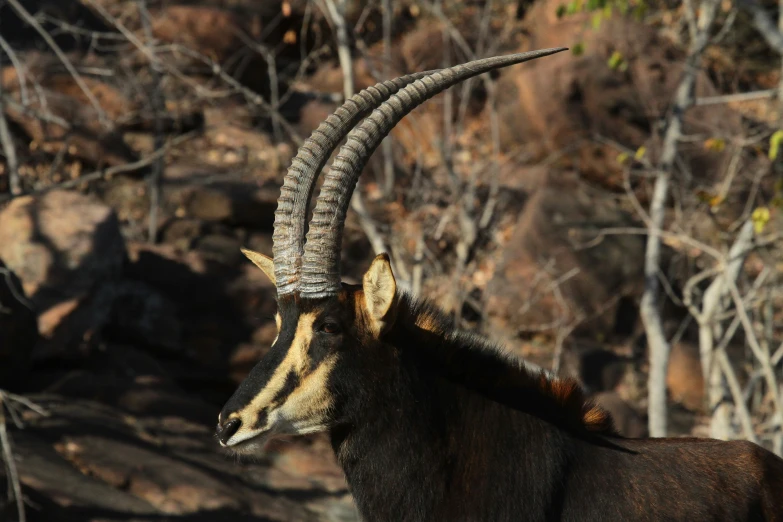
431, 424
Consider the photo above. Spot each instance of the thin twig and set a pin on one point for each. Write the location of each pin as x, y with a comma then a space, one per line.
158, 109
111, 171
387, 143
216, 68
764, 24
762, 356
740, 408
17, 63
7, 144
738, 97
29, 19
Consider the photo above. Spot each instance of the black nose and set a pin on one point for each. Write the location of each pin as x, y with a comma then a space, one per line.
226, 429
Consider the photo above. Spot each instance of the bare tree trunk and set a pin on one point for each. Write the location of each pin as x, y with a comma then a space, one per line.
713, 304
651, 317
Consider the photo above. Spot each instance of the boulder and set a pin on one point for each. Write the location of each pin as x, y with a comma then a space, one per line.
61, 244
684, 377
557, 271
85, 138
238, 204
566, 100
93, 461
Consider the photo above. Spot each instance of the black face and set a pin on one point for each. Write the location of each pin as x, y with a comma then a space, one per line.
327, 351
288, 392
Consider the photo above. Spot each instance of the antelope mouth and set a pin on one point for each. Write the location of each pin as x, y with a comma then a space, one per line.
247, 443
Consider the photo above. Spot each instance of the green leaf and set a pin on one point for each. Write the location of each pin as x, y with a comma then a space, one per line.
774, 144
640, 152
561, 11
616, 60
578, 49
715, 144
622, 158
760, 218
597, 17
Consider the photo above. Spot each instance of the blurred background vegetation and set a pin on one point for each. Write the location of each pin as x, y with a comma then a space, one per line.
612, 213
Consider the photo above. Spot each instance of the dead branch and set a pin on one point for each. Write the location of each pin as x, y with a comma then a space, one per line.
111, 171
158, 102
336, 13
216, 68
764, 24
17, 63
30, 20
7, 401
387, 143
738, 97
712, 304
9, 148
653, 325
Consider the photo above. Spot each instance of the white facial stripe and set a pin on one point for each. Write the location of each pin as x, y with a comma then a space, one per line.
294, 360
241, 436
307, 406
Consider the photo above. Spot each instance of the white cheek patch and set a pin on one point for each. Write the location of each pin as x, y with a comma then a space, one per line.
307, 408
304, 410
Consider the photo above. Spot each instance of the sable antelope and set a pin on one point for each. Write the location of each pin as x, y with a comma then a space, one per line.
430, 423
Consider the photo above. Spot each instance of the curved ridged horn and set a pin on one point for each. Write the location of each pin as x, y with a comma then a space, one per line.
321, 263
299, 183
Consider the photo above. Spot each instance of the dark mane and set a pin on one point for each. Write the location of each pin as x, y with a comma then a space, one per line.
473, 362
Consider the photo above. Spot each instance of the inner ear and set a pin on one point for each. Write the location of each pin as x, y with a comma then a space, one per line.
380, 294
265, 263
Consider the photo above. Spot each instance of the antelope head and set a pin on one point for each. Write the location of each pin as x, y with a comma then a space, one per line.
329, 346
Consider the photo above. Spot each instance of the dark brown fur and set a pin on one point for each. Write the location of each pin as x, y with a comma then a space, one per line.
431, 424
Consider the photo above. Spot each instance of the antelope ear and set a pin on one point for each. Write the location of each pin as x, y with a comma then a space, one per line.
380, 294
263, 262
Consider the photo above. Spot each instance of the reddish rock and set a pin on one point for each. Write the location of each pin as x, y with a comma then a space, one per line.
62, 245
684, 376
85, 138
556, 270
93, 457
564, 101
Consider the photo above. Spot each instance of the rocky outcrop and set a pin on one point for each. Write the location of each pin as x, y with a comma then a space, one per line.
578, 102
557, 269
62, 245
90, 461
684, 376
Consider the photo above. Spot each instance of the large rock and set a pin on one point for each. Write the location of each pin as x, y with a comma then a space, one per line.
557, 272
71, 258
86, 138
63, 245
18, 329
684, 377
92, 461
565, 101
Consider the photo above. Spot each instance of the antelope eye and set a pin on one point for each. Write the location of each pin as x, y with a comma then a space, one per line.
330, 327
